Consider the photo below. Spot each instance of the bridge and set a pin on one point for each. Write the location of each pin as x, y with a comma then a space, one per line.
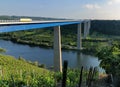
16, 25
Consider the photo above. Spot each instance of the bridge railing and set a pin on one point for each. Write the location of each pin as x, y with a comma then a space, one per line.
4, 21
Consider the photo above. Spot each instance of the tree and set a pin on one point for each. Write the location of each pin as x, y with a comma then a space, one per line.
110, 59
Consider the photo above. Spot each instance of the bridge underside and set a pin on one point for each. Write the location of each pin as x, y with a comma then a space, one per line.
18, 27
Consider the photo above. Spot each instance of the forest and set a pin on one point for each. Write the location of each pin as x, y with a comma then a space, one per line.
109, 27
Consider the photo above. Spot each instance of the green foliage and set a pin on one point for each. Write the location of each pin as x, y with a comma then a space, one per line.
73, 76
19, 72
110, 58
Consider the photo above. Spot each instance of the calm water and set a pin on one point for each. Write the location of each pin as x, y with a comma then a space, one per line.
45, 55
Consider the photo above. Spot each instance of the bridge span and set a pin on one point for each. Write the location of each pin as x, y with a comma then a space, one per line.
10, 26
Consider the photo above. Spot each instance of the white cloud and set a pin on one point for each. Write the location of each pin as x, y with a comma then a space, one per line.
110, 2
92, 6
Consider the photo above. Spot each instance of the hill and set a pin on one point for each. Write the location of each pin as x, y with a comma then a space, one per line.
107, 27
19, 73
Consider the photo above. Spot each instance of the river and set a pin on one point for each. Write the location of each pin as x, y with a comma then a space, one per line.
45, 55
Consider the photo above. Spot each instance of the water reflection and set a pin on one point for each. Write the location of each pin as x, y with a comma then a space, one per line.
86, 61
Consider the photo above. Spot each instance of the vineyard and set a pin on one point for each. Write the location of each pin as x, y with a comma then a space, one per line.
19, 73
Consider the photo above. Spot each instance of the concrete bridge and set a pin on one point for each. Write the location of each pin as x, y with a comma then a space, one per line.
15, 25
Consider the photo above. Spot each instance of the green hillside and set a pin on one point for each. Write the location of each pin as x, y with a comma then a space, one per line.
107, 27
19, 73
11, 64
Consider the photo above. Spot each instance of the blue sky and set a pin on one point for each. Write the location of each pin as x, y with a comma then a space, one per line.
75, 9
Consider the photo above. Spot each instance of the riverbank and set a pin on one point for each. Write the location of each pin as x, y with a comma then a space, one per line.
89, 46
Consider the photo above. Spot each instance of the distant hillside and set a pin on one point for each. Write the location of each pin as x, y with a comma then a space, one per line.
6, 17
109, 27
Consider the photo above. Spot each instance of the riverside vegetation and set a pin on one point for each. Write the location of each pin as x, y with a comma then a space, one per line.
44, 38
110, 61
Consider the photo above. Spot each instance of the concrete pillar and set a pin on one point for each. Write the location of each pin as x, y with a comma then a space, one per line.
85, 29
57, 49
89, 25
79, 38
88, 28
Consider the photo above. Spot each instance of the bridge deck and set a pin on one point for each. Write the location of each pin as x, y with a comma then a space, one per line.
17, 26
40, 22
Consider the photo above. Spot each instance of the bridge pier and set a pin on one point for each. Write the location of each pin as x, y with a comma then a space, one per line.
79, 37
89, 25
57, 49
86, 28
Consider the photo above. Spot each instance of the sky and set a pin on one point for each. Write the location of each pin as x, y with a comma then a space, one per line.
72, 9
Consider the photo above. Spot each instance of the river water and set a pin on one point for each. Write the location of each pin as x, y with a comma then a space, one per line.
45, 55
